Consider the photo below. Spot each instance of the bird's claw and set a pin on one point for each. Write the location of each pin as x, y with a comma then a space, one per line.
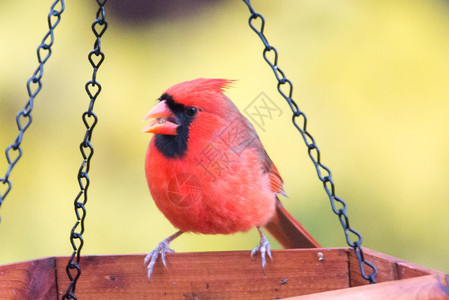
264, 248
163, 248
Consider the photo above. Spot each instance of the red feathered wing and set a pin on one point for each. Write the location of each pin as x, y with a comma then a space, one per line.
282, 226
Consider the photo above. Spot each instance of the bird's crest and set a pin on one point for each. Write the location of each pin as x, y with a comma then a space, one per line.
201, 89
200, 85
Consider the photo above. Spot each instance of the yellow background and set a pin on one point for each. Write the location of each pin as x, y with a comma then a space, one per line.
372, 77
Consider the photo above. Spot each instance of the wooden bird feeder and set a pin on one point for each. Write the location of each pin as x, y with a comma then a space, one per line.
307, 272
302, 271
320, 273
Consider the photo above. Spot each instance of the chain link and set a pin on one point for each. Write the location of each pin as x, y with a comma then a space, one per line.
34, 85
90, 119
285, 88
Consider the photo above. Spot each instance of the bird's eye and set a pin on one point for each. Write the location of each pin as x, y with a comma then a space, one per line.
190, 111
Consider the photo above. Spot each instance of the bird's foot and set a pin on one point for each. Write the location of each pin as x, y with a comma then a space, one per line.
264, 248
163, 248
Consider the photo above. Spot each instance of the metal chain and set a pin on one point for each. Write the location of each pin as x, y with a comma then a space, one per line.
34, 85
285, 88
93, 89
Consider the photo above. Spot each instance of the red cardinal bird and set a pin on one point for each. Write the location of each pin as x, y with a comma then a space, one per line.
208, 172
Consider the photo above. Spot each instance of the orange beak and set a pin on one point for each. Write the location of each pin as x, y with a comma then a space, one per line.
163, 120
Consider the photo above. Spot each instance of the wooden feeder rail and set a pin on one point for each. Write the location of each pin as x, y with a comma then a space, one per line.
323, 273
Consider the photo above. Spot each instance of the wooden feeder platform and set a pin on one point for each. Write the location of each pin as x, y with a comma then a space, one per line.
320, 273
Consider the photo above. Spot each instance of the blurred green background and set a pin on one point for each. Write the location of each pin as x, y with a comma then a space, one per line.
372, 77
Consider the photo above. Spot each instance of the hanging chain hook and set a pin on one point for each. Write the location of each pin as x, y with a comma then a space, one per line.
285, 88
90, 119
34, 85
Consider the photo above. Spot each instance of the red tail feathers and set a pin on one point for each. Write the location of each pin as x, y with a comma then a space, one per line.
288, 231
